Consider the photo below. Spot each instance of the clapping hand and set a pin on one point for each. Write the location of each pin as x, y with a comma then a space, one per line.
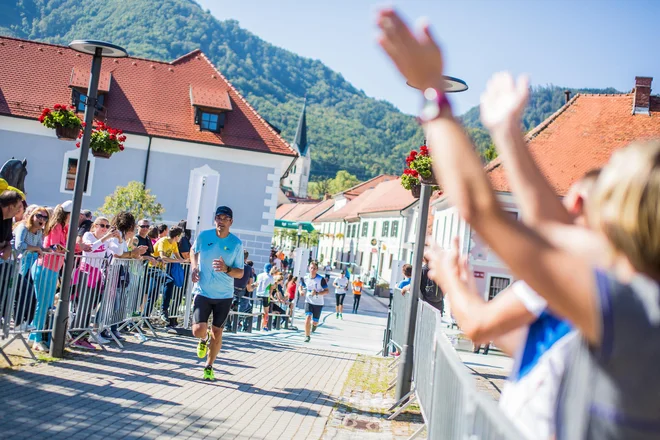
504, 101
418, 57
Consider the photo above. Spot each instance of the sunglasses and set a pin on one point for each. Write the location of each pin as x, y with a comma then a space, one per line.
41, 216
144, 226
103, 226
223, 218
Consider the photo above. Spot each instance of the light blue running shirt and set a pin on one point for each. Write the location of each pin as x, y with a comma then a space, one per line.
212, 284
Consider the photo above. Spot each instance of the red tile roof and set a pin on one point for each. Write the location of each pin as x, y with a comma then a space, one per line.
388, 196
582, 136
297, 211
283, 210
146, 97
80, 78
318, 210
371, 183
350, 210
212, 98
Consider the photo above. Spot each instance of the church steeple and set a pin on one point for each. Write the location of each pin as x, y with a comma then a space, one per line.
300, 141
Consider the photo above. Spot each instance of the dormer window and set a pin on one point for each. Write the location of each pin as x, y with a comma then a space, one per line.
211, 108
79, 100
79, 81
210, 121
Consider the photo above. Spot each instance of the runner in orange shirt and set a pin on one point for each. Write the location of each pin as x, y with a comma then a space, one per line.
357, 293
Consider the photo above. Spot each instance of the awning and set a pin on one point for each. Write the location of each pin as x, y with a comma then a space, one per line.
287, 224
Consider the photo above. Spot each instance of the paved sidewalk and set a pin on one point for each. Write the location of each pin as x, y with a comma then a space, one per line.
153, 390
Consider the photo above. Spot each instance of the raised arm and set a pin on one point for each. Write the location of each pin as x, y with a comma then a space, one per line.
565, 280
502, 105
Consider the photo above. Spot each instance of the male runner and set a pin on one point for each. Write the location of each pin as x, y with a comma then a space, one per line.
313, 287
216, 260
341, 287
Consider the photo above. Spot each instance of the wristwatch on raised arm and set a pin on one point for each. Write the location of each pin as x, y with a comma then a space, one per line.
435, 101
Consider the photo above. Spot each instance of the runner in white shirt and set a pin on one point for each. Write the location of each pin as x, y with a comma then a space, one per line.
341, 288
313, 287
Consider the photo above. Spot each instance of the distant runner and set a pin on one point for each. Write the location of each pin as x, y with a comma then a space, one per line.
341, 284
216, 260
357, 293
313, 287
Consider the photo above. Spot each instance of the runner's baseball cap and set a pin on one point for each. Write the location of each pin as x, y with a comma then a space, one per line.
224, 210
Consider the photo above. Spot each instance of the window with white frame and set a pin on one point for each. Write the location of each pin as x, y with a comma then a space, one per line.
70, 170
365, 229
395, 228
373, 230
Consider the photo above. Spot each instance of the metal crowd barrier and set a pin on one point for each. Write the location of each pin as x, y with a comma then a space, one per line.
106, 294
450, 403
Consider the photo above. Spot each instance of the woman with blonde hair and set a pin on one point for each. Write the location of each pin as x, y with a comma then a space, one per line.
28, 244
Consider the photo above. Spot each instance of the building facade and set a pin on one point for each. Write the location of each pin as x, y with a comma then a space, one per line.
183, 120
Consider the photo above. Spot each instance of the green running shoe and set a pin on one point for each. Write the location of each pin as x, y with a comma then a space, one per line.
314, 328
208, 373
202, 347
307, 338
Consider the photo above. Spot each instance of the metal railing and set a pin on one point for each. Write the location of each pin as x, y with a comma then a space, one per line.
445, 390
397, 321
106, 294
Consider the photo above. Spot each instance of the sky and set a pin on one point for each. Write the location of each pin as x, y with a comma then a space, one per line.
569, 43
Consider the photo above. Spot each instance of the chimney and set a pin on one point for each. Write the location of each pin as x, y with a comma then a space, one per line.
642, 100
568, 96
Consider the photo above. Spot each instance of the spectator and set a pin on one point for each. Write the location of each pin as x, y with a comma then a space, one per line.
291, 288
46, 271
84, 226
430, 290
123, 226
153, 234
404, 284
89, 277
167, 250
184, 243
29, 245
605, 390
240, 289
11, 203
163, 229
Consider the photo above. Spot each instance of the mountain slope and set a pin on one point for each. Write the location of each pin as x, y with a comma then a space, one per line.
347, 130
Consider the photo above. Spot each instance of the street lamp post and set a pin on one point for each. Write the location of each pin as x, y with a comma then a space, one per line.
404, 379
98, 50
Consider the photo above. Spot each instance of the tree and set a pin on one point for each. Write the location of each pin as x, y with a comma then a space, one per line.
490, 153
342, 181
319, 188
133, 198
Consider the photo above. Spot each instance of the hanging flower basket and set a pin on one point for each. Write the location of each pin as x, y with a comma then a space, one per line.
105, 140
101, 154
67, 133
63, 119
430, 180
416, 191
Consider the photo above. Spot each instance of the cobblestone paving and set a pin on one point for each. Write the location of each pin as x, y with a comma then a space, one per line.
263, 390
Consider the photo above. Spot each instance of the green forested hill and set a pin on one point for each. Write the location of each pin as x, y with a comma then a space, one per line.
347, 129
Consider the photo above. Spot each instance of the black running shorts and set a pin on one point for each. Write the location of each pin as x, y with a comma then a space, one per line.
340, 298
314, 311
203, 307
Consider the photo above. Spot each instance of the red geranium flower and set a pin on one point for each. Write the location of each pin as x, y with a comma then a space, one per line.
77, 144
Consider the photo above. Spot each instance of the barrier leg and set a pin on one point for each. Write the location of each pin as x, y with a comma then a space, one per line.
406, 405
402, 400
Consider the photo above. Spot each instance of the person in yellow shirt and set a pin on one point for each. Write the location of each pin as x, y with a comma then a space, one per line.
357, 293
166, 250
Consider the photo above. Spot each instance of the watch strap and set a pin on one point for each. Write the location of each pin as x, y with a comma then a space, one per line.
435, 101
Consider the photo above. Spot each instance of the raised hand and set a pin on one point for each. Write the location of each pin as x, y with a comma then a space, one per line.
418, 57
504, 101
445, 267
